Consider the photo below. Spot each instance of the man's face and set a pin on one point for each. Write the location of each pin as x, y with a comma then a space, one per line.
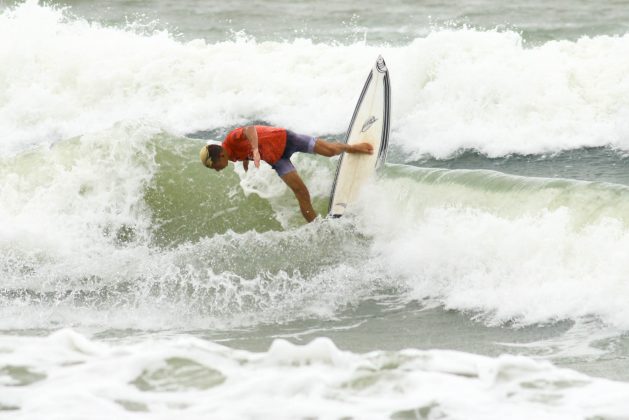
220, 163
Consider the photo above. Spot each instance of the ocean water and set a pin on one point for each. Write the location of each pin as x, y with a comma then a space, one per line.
482, 275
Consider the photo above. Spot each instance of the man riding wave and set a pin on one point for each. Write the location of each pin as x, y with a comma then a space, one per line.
275, 146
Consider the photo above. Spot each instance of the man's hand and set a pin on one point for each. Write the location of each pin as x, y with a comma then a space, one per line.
256, 158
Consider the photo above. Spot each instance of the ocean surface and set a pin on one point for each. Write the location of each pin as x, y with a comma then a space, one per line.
483, 274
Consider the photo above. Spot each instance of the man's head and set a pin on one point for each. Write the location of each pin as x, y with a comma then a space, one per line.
214, 157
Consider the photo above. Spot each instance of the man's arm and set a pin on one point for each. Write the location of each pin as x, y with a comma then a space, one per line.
252, 135
294, 182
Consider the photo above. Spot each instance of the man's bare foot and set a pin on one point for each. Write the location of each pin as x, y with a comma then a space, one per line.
361, 148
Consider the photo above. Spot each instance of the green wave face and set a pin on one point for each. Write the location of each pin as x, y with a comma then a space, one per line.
189, 201
506, 195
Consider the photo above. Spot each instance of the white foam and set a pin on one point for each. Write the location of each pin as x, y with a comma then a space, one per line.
537, 259
64, 207
514, 259
452, 89
488, 91
166, 377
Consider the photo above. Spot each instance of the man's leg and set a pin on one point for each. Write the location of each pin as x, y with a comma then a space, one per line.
329, 149
294, 182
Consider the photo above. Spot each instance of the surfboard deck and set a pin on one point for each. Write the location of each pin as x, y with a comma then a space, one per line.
369, 123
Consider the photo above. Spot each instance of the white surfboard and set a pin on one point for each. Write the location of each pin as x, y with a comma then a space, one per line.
370, 123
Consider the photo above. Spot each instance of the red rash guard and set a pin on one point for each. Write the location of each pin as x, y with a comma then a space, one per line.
271, 143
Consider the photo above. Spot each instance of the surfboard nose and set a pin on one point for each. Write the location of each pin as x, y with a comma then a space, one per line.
381, 65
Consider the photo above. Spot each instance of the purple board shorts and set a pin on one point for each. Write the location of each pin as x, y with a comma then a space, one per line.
294, 143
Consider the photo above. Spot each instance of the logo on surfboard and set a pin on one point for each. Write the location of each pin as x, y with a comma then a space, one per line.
380, 65
367, 124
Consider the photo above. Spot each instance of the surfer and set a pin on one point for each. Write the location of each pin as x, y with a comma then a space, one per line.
275, 146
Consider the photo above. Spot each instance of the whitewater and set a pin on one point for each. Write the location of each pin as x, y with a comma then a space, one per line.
482, 274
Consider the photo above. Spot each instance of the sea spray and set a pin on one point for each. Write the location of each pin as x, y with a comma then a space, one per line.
456, 88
